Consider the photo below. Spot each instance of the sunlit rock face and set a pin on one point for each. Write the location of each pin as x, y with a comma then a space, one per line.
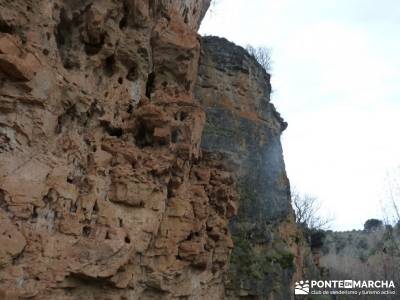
104, 193
243, 127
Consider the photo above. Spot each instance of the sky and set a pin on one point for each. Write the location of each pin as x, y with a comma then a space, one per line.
336, 81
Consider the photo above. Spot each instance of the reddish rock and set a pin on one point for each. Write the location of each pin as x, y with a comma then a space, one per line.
11, 240
103, 183
105, 191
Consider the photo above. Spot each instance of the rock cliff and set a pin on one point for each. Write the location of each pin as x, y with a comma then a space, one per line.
116, 181
243, 128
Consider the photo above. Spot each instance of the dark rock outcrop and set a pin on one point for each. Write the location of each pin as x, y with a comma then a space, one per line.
241, 122
244, 128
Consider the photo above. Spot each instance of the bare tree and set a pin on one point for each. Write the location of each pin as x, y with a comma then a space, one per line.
391, 209
307, 211
392, 203
262, 55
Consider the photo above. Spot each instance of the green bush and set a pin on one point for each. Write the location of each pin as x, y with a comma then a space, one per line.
339, 245
372, 224
362, 244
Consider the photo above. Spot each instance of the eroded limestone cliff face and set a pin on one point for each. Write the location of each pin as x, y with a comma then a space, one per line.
115, 181
103, 191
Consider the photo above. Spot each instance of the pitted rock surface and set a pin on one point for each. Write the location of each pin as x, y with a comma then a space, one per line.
104, 193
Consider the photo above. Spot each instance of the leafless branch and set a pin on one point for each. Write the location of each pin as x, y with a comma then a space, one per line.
307, 211
262, 55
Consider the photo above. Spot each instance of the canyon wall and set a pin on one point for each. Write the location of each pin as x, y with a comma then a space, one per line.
103, 192
120, 176
243, 129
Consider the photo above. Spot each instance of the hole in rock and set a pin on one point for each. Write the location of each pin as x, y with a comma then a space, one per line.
174, 135
144, 135
63, 33
92, 49
86, 231
67, 116
124, 20
143, 53
113, 131
95, 207
185, 15
183, 115
6, 28
150, 84
132, 73
109, 65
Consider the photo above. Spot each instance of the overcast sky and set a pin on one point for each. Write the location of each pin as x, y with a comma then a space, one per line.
336, 81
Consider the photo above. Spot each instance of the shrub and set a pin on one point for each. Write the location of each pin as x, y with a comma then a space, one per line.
372, 224
317, 238
262, 55
362, 244
340, 244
